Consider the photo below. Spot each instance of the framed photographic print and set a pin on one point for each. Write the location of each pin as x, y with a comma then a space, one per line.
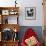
30, 13
5, 12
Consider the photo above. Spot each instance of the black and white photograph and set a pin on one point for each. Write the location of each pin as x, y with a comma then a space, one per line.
30, 13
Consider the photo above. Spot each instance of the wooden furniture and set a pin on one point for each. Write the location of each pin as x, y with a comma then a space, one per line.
10, 43
8, 11
5, 23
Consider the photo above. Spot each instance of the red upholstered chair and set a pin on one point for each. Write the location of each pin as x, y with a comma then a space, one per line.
29, 33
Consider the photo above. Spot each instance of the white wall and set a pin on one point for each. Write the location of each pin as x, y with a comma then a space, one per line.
39, 12
27, 3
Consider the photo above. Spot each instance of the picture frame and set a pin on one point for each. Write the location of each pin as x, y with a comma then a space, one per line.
30, 13
5, 12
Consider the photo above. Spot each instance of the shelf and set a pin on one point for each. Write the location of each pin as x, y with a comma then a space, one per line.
8, 15
8, 10
4, 8
9, 19
5, 12
10, 26
11, 41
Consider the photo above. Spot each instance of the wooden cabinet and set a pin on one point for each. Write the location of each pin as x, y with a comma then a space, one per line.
9, 25
10, 43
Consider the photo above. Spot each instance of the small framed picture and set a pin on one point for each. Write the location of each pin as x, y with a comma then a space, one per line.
30, 13
5, 12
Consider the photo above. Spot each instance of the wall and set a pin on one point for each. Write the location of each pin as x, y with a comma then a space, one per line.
45, 22
39, 13
27, 3
44, 12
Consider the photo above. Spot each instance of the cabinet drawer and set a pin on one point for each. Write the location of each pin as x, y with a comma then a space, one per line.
10, 44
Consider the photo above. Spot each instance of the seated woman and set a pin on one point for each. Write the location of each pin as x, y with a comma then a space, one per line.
30, 38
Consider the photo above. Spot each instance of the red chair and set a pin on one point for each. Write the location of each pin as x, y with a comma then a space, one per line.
29, 33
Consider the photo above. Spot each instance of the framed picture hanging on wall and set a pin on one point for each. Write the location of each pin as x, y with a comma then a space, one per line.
30, 13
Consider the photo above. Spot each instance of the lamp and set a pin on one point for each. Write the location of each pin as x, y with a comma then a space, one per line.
15, 3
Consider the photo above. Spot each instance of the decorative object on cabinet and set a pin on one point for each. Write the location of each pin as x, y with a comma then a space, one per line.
8, 36
30, 13
13, 12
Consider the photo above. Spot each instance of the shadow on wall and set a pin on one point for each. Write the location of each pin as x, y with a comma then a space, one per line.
37, 29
